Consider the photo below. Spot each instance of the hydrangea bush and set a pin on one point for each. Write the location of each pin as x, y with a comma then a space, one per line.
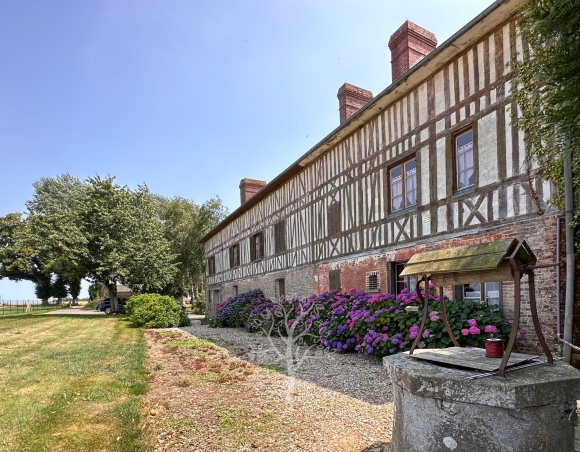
374, 325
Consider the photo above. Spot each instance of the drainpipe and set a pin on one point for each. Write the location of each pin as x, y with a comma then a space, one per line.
570, 260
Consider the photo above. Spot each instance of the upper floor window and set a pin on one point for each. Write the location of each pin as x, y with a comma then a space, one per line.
211, 265
235, 255
464, 159
403, 180
257, 246
280, 237
334, 217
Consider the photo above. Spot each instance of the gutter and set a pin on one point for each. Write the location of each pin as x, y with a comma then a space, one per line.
432, 63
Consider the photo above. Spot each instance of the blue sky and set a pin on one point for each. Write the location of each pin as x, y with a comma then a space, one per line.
187, 96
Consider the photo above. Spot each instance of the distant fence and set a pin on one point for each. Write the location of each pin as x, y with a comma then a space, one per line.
11, 307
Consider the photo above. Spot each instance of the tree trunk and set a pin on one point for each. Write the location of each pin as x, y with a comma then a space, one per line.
75, 302
44, 302
113, 297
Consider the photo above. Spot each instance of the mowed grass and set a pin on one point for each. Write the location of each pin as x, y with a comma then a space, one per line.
71, 384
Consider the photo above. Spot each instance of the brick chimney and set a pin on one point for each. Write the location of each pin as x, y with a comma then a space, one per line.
350, 99
409, 44
249, 187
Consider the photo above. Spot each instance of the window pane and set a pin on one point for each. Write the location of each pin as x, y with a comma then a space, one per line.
472, 291
411, 182
398, 203
464, 159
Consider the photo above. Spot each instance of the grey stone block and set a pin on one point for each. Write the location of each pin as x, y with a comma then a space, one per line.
533, 409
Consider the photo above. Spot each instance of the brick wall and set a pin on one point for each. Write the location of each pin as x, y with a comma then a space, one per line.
409, 44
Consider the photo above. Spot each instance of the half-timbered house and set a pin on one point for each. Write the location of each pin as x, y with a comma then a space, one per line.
433, 161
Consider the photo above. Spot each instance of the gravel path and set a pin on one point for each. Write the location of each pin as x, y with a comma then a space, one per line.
363, 378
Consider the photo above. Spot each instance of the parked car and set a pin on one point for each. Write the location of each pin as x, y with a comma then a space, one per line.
105, 305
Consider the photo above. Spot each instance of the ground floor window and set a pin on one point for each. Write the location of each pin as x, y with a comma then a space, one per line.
490, 292
281, 288
216, 297
235, 291
373, 282
334, 277
398, 282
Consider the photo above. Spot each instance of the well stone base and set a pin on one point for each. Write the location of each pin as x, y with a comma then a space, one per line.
533, 409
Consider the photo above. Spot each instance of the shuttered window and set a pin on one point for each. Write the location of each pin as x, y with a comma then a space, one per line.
373, 282
281, 288
280, 236
211, 266
334, 218
235, 255
257, 246
334, 277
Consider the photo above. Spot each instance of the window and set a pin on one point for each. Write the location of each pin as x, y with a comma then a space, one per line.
257, 246
398, 282
373, 282
333, 217
403, 180
235, 255
235, 290
280, 237
211, 266
334, 277
216, 297
281, 288
464, 159
490, 292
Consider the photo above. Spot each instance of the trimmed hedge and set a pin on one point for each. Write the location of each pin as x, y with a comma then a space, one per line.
155, 311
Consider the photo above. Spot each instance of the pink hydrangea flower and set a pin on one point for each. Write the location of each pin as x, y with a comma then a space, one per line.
474, 330
465, 332
490, 329
518, 335
472, 322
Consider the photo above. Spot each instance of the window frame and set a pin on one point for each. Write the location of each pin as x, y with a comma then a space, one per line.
333, 279
235, 253
334, 218
375, 287
281, 288
257, 253
408, 282
456, 135
401, 164
280, 237
211, 266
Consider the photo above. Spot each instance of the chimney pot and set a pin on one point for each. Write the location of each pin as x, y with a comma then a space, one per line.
351, 99
249, 187
409, 44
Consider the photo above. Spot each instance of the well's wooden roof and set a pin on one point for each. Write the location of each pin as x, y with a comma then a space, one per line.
465, 259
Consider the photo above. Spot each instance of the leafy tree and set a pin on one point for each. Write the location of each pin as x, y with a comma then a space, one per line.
97, 291
547, 87
112, 235
185, 224
74, 289
59, 290
20, 257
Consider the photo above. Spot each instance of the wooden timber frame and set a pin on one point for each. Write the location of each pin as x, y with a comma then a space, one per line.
504, 260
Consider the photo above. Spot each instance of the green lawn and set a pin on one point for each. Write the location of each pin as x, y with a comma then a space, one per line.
21, 309
71, 384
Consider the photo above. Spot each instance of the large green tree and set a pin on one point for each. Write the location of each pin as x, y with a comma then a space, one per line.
547, 88
111, 235
185, 224
20, 255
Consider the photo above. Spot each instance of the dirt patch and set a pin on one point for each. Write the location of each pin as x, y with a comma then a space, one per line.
203, 398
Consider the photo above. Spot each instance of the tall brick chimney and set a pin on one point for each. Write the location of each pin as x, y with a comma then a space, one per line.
249, 187
409, 44
350, 99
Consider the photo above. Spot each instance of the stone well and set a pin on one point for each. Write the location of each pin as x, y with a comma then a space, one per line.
436, 409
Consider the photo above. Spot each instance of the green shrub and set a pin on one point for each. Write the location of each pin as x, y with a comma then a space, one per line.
155, 311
